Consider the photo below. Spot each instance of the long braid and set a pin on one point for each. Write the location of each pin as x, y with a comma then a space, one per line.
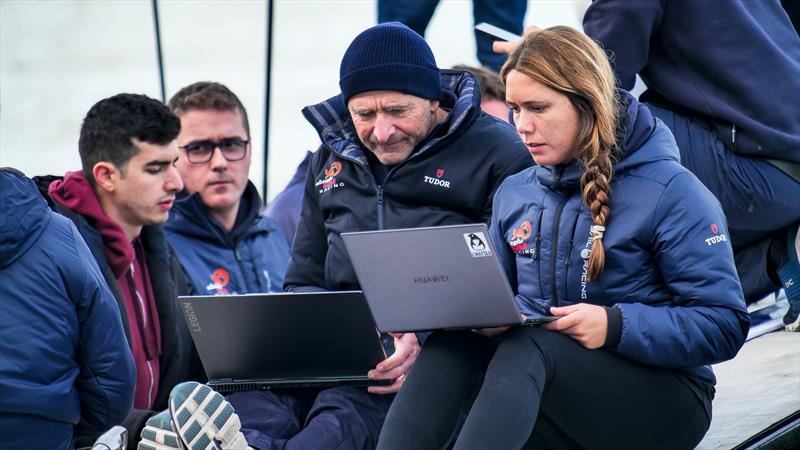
596, 193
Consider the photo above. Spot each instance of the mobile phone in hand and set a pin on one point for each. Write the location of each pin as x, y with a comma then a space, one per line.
495, 33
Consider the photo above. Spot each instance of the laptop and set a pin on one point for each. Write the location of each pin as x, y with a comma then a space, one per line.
284, 340
420, 279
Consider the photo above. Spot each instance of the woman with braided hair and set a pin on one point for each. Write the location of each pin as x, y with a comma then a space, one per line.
611, 235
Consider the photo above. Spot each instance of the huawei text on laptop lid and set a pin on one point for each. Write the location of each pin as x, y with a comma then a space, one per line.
433, 278
264, 341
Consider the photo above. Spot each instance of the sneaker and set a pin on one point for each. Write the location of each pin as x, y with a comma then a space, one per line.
159, 434
204, 420
789, 274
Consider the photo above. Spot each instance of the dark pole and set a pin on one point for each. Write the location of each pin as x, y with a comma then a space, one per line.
267, 85
158, 51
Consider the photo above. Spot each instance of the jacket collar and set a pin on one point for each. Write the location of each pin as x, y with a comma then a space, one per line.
190, 217
75, 193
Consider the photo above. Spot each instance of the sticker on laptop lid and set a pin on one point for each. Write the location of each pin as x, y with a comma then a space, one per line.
477, 244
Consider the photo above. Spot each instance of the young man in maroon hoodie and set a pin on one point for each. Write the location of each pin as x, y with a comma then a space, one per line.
118, 202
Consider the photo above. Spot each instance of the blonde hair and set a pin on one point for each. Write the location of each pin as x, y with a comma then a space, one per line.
568, 61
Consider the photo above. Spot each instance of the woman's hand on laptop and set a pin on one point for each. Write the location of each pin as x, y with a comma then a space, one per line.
395, 367
584, 322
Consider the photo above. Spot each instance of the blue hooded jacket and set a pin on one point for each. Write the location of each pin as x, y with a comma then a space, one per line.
669, 266
65, 365
251, 258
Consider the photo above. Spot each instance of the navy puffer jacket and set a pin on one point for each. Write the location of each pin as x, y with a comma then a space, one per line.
668, 261
251, 258
65, 365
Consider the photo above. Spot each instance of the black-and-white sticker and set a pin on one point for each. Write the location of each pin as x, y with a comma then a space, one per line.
477, 244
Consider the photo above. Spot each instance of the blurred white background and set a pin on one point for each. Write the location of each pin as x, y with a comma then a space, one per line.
58, 58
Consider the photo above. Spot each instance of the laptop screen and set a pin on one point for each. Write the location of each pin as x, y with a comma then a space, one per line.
283, 335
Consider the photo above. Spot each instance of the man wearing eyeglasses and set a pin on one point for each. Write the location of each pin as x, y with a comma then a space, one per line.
223, 243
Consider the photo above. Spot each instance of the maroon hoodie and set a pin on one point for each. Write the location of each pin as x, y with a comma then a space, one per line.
127, 262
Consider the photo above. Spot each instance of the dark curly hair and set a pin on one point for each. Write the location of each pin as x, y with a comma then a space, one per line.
110, 126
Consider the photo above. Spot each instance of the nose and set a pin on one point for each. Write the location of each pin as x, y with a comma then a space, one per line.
384, 129
218, 162
174, 183
524, 123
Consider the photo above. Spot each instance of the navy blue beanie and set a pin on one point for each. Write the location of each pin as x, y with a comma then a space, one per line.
390, 57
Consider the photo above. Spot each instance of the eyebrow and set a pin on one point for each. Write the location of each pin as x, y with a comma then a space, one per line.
160, 163
361, 110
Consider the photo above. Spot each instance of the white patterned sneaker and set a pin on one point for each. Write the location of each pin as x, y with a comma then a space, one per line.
204, 420
159, 434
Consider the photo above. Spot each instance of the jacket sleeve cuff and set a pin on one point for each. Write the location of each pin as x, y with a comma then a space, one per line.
614, 332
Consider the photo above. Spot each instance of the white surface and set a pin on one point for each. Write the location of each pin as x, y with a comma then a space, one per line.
57, 58
756, 389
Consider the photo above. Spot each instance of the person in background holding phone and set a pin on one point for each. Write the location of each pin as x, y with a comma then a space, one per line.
609, 233
417, 14
721, 79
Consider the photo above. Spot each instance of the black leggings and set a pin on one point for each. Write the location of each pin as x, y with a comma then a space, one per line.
535, 388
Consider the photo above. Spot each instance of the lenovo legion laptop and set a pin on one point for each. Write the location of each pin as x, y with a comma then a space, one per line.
284, 340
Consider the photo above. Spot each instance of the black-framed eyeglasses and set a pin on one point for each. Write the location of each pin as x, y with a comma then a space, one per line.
202, 151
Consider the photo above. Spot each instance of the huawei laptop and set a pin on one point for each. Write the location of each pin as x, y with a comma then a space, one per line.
419, 279
284, 340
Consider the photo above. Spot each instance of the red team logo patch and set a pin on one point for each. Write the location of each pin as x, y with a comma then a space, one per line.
439, 173
219, 279
333, 170
714, 228
329, 181
519, 237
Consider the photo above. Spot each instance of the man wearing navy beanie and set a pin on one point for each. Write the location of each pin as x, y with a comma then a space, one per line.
404, 145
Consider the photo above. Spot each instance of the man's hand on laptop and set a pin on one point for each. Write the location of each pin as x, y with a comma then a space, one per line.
395, 367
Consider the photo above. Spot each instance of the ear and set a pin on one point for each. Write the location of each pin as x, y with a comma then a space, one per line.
434, 105
106, 175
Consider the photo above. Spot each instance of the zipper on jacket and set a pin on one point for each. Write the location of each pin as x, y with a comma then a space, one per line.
379, 201
572, 239
538, 246
244, 281
554, 257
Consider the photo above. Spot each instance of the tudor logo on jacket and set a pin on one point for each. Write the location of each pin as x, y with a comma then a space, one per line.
438, 181
717, 238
